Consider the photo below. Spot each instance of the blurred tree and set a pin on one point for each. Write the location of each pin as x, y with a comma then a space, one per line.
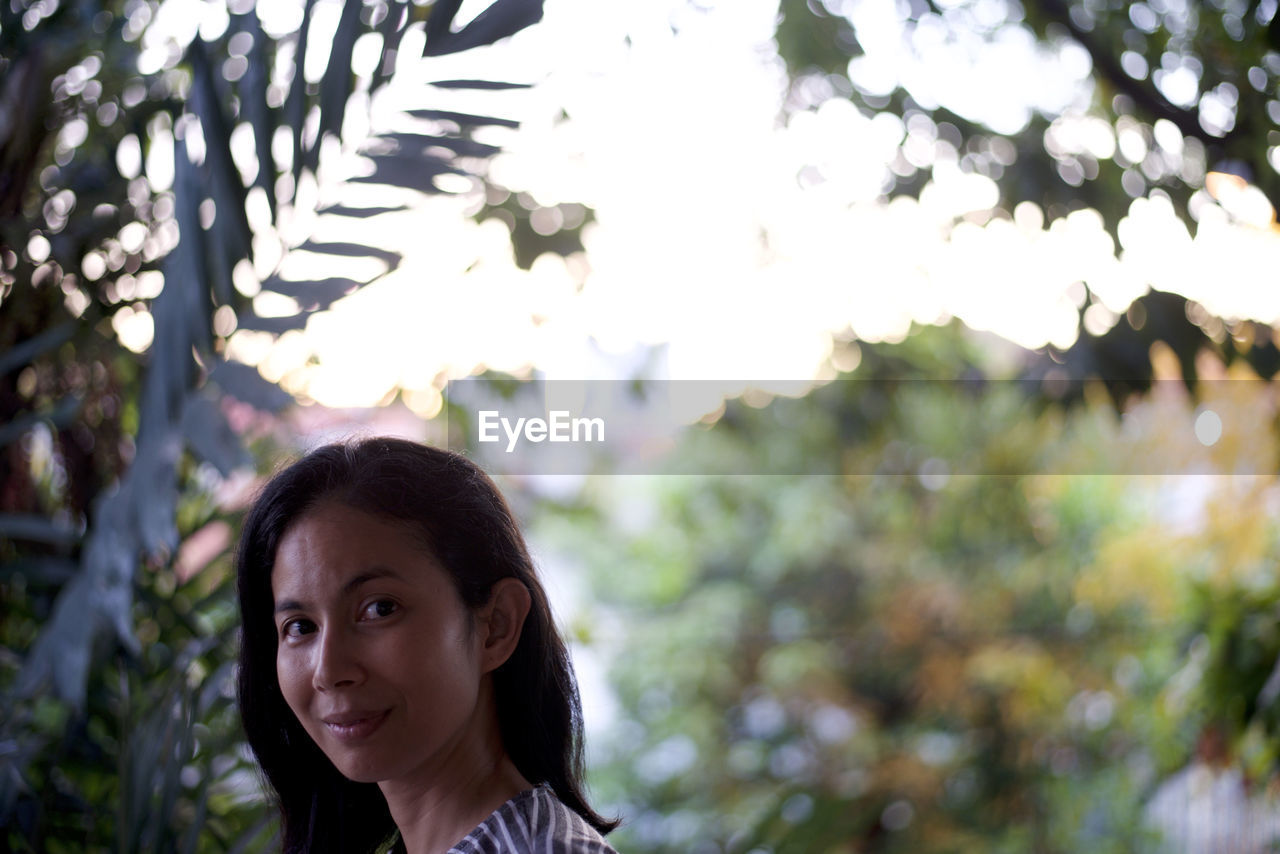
1174, 90
951, 647
152, 163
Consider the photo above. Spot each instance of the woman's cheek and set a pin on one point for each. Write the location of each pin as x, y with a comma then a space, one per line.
290, 672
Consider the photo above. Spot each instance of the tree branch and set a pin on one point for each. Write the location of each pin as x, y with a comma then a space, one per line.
1144, 95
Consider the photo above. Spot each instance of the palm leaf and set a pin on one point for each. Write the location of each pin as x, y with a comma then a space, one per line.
175, 401
253, 101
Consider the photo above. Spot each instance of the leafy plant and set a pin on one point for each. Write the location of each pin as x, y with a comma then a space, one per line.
896, 655
114, 681
1165, 95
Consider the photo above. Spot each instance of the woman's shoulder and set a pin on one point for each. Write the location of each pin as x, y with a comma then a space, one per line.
534, 822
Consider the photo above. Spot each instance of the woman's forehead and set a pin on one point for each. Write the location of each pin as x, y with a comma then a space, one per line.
332, 543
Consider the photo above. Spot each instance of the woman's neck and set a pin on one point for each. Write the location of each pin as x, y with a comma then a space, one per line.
437, 808
433, 821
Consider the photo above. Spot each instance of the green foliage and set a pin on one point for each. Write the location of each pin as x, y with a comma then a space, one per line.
153, 760
536, 229
1177, 90
124, 199
905, 658
1223, 120
811, 38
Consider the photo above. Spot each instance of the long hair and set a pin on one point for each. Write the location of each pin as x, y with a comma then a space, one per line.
463, 521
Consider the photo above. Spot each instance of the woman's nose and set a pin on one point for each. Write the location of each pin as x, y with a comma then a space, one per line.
337, 663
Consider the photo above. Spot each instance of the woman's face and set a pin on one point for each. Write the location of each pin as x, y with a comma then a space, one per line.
376, 653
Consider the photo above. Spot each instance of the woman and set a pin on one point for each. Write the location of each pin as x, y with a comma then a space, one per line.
401, 680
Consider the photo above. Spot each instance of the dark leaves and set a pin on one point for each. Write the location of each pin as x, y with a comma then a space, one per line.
463, 119
171, 399
407, 170
62, 414
392, 28
417, 143
354, 250
181, 311
439, 24
314, 294
61, 652
274, 325
478, 84
253, 106
359, 213
210, 437
335, 87
28, 351
244, 383
295, 106
223, 179
503, 18
36, 529
176, 412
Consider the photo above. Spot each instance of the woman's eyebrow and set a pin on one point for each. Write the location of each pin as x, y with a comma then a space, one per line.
369, 575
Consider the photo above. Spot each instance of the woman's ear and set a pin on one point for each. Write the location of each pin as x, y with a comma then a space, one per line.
501, 620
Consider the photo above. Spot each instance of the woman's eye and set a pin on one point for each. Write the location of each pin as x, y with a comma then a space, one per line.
297, 628
379, 609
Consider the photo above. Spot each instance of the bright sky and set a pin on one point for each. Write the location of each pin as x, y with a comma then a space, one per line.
738, 241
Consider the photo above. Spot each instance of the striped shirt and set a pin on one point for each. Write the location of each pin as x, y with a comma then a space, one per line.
533, 822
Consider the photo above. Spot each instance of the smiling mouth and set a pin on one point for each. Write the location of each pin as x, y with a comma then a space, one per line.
355, 729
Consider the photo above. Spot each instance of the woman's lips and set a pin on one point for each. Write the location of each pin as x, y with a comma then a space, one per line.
355, 727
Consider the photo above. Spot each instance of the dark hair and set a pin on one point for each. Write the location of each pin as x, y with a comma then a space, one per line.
465, 523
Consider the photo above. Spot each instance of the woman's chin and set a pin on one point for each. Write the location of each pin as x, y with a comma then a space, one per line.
358, 772
359, 766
